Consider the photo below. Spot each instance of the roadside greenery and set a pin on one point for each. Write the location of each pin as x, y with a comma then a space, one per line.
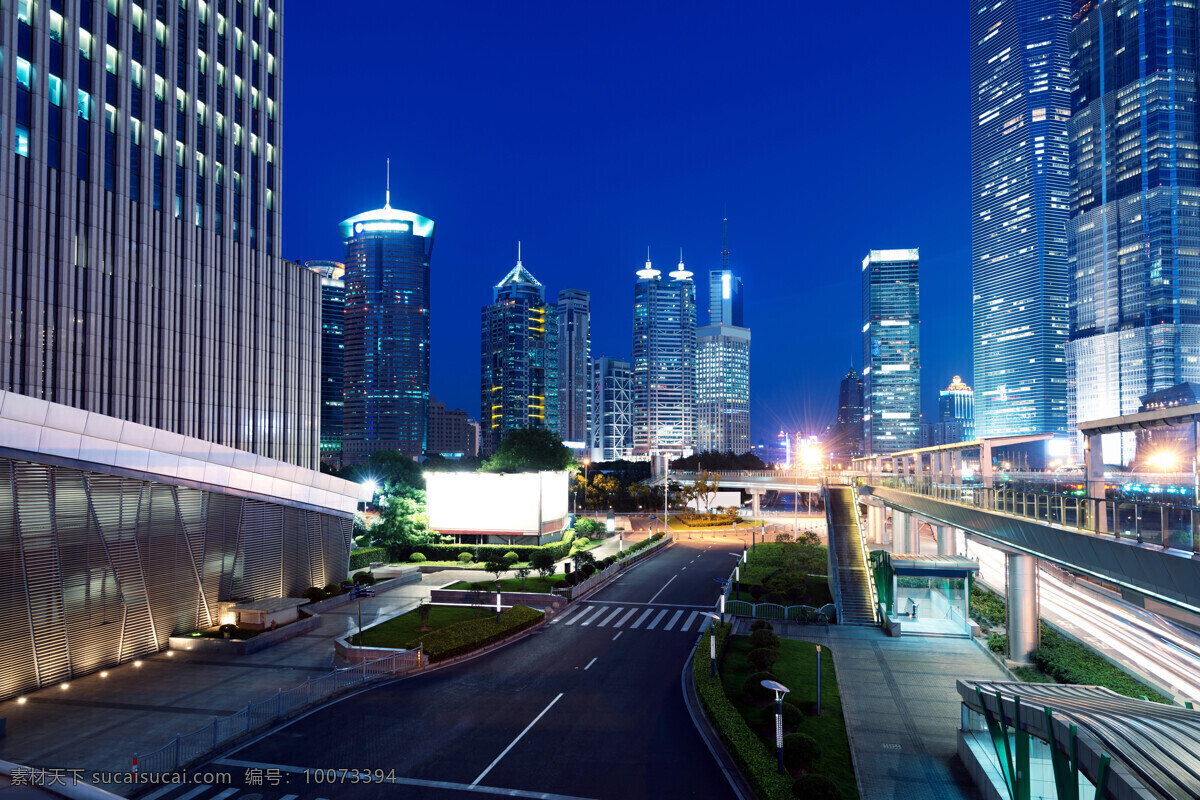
464, 637
786, 573
361, 558
405, 632
530, 450
532, 584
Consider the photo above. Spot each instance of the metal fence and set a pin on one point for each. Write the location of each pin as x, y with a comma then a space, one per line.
742, 608
624, 563
186, 748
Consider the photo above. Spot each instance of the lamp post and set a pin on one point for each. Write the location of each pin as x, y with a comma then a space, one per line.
780, 691
712, 643
587, 462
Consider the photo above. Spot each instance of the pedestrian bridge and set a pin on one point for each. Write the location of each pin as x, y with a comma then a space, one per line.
803, 480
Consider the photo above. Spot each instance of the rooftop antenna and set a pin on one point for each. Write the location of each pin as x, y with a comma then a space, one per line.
725, 245
518, 252
387, 196
681, 258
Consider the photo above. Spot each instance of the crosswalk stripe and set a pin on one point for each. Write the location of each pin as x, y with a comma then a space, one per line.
593, 617
642, 618
224, 794
674, 619
290, 797
194, 792
625, 618
609, 618
657, 620
688, 622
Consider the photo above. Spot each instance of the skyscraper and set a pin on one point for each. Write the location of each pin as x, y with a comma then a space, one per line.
664, 363
1020, 188
848, 431
723, 365
139, 267
612, 409
1134, 232
574, 364
387, 332
891, 333
333, 343
449, 432
956, 413
519, 375
724, 297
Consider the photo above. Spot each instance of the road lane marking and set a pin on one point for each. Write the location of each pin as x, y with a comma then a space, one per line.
513, 743
674, 619
194, 792
618, 635
290, 797
660, 591
683, 569
642, 618
224, 794
589, 666
582, 615
696, 606
625, 618
594, 617
688, 623
609, 618
657, 619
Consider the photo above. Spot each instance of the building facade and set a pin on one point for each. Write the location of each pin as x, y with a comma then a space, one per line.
333, 345
574, 365
664, 363
725, 297
450, 433
723, 389
891, 331
1020, 190
139, 258
387, 332
956, 412
612, 409
848, 430
1134, 231
519, 374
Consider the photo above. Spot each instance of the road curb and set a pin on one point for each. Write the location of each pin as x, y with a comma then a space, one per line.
737, 781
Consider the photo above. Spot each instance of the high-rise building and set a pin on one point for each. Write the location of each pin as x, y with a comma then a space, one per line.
519, 386
574, 364
848, 431
1020, 189
956, 412
612, 409
1134, 231
450, 433
891, 333
664, 363
725, 289
333, 343
723, 388
387, 332
139, 268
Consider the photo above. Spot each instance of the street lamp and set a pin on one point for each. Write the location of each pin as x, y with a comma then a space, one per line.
587, 462
373, 486
712, 643
780, 690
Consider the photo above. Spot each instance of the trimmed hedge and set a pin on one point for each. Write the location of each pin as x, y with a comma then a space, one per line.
487, 552
464, 637
756, 763
362, 557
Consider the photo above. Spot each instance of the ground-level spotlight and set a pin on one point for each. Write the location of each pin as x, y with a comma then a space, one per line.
64, 686
21, 700
104, 674
137, 663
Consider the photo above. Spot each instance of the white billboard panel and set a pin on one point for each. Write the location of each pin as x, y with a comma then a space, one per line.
492, 502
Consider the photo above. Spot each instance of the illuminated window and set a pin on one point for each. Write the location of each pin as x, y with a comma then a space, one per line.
85, 104
24, 73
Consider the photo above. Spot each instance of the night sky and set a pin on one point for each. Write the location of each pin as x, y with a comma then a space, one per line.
591, 131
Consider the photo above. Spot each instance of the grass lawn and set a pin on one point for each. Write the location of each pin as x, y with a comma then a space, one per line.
797, 669
402, 631
743, 526
534, 583
455, 564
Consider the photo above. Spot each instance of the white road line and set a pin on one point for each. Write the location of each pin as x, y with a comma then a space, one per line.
658, 619
618, 635
688, 622
290, 797
642, 618
674, 619
582, 614
224, 794
594, 617
609, 618
513, 743
625, 618
660, 591
683, 568
589, 666
194, 792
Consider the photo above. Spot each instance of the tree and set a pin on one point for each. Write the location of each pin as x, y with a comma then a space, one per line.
530, 450
496, 565
586, 527
585, 558
543, 562
391, 470
423, 614
704, 489
403, 524
641, 493
523, 574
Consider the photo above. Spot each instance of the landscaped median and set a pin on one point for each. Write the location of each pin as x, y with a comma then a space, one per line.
444, 632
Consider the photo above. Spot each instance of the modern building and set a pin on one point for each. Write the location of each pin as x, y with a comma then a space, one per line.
612, 409
1134, 230
664, 364
956, 412
387, 332
574, 365
519, 386
1170, 449
1020, 190
450, 433
891, 332
723, 389
725, 289
140, 274
848, 430
333, 344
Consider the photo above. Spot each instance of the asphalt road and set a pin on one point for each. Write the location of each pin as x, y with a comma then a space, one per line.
588, 707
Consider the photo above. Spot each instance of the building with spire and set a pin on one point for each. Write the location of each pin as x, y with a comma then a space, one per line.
519, 365
664, 363
387, 332
723, 365
574, 366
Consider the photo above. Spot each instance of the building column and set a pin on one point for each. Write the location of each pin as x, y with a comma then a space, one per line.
874, 526
1093, 468
956, 467
1023, 606
902, 527
756, 497
945, 540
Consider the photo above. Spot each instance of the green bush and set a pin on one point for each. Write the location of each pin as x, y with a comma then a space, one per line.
997, 643
816, 787
464, 637
791, 716
754, 689
588, 527
465, 558
417, 558
361, 558
800, 750
314, 594
364, 577
773, 597
762, 658
1068, 661
757, 591
764, 638
567, 536
987, 607
450, 552
332, 590
761, 625
511, 557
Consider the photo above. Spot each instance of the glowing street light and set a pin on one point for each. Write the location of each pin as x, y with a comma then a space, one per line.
780, 690
1165, 460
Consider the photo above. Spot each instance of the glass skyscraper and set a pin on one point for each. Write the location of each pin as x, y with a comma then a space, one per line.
612, 409
1134, 233
891, 333
664, 363
723, 388
848, 431
387, 332
574, 365
519, 375
956, 413
1020, 185
333, 345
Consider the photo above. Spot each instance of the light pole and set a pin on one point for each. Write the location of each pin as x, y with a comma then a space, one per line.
780, 690
587, 462
712, 643
371, 484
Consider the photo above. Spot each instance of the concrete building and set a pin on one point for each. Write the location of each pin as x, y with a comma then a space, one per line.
574, 365
612, 409
891, 333
333, 346
664, 364
450, 432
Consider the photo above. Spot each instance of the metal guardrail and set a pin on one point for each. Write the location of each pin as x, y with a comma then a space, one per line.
623, 563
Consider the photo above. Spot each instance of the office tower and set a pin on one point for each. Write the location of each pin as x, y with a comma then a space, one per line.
956, 413
139, 267
1020, 189
723, 388
891, 334
664, 363
574, 364
333, 324
519, 359
387, 332
612, 409
1134, 231
724, 289
449, 432
848, 430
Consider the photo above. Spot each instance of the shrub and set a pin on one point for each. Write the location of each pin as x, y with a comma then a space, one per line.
773, 597
417, 558
754, 689
588, 571
365, 577
791, 716
757, 591
543, 562
511, 557
588, 527
464, 637
764, 638
361, 557
783, 538
800, 750
816, 787
332, 590
567, 537
465, 558
314, 594
762, 658
795, 595
761, 625
1068, 661
997, 643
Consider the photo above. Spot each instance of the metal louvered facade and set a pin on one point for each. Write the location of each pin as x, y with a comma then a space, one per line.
98, 569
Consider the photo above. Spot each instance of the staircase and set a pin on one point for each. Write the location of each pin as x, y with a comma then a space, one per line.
856, 605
